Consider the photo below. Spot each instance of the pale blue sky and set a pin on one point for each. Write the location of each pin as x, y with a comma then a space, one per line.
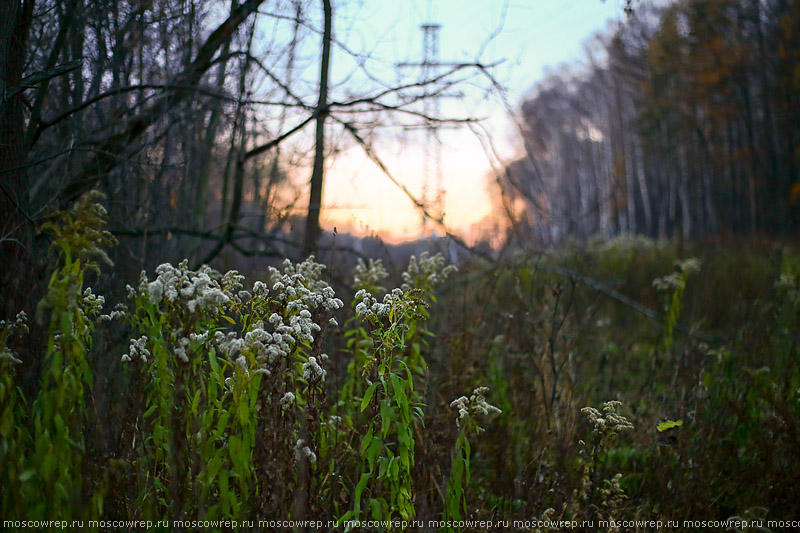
533, 34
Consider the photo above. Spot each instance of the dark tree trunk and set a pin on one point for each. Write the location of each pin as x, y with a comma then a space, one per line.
315, 198
15, 227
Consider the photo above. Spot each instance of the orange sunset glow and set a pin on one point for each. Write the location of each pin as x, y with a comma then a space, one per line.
359, 198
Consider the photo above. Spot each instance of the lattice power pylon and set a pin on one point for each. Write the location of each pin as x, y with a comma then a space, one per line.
432, 165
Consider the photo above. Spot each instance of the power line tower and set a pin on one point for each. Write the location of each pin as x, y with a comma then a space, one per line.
432, 166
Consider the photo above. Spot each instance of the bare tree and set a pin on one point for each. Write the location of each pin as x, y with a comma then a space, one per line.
685, 138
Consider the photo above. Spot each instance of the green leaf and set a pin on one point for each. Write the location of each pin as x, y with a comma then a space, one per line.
374, 450
362, 484
375, 507
387, 417
214, 467
410, 377
347, 517
368, 396
243, 412
367, 440
666, 424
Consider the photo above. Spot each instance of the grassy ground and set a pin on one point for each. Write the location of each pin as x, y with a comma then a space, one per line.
727, 368
634, 381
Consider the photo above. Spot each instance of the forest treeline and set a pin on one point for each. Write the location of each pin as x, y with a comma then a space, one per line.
683, 122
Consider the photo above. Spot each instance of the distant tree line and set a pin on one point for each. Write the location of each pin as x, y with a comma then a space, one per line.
683, 122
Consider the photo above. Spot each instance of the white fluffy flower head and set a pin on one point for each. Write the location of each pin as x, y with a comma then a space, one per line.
476, 404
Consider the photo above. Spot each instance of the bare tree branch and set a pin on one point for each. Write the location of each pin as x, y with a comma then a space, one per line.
277, 140
419, 205
32, 80
99, 164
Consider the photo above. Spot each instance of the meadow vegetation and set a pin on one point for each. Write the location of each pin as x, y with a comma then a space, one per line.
623, 380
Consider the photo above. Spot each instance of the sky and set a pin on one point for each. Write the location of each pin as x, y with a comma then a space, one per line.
524, 38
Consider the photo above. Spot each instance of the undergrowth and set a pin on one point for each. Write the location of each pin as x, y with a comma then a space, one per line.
278, 399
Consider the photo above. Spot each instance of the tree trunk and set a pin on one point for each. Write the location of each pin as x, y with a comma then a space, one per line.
15, 229
315, 197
